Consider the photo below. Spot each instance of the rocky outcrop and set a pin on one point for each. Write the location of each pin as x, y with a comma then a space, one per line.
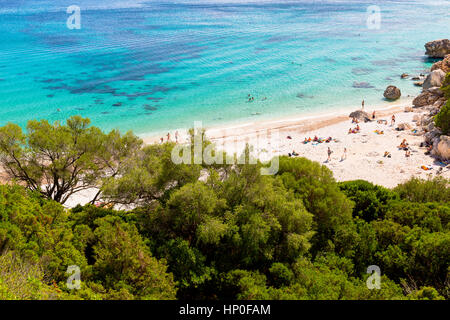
428, 97
404, 126
443, 65
432, 136
360, 115
392, 93
434, 79
408, 109
441, 148
438, 48
431, 100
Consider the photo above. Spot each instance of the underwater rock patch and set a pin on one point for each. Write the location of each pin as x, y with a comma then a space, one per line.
362, 85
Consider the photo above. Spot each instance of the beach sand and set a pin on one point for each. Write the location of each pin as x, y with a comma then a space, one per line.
365, 150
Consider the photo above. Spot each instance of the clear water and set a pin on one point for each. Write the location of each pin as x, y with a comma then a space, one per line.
153, 66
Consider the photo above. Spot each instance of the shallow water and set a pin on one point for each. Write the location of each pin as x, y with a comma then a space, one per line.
152, 66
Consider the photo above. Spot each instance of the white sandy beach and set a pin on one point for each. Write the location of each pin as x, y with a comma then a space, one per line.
365, 150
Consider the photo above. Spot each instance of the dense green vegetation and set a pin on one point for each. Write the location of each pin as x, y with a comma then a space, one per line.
442, 119
218, 231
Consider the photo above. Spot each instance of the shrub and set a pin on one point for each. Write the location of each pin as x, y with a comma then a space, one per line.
442, 119
370, 200
446, 86
431, 190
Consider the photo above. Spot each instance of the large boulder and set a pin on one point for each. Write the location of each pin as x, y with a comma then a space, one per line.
440, 102
431, 136
434, 79
438, 48
442, 148
360, 115
392, 93
427, 97
443, 65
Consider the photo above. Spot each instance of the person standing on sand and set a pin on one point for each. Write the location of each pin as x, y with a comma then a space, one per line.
373, 115
168, 136
329, 154
344, 155
176, 136
407, 153
362, 104
393, 120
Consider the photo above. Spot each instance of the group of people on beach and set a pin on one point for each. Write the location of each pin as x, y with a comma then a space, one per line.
405, 146
330, 152
177, 136
354, 130
317, 139
252, 98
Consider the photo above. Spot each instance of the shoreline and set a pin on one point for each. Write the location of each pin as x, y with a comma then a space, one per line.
305, 122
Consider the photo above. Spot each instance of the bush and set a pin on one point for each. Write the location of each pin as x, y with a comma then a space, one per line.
24, 280
442, 119
446, 86
370, 200
331, 209
431, 190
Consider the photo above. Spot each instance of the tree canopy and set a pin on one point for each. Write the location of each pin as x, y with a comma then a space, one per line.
59, 160
205, 231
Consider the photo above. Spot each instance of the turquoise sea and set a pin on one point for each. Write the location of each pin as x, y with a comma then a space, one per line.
154, 66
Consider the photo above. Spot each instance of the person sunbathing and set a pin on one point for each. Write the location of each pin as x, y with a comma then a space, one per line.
407, 153
328, 139
403, 145
316, 138
357, 127
387, 154
305, 141
294, 153
350, 131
